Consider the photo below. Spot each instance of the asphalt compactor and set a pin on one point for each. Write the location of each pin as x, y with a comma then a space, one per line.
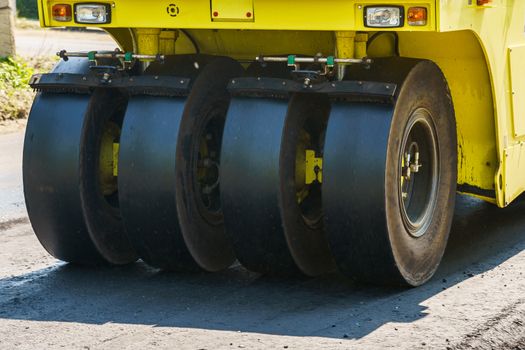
293, 136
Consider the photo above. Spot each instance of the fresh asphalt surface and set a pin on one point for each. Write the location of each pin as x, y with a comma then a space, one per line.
476, 300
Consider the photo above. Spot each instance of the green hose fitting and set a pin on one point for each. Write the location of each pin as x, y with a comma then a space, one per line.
330, 61
91, 56
128, 57
291, 60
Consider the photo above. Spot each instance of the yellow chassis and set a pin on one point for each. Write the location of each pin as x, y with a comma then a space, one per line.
479, 48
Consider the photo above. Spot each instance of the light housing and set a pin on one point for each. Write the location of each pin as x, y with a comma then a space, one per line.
384, 16
92, 13
417, 16
62, 12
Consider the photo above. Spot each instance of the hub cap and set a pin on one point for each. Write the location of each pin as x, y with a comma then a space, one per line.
418, 173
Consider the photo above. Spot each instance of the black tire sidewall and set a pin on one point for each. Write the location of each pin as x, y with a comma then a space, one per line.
307, 244
418, 258
207, 241
104, 221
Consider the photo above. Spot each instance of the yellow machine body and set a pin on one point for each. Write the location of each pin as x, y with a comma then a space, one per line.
480, 49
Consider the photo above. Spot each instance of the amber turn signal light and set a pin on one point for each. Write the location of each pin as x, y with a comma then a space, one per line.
62, 13
417, 16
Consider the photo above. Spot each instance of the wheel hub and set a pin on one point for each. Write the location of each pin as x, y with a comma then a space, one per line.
418, 174
207, 171
108, 162
308, 175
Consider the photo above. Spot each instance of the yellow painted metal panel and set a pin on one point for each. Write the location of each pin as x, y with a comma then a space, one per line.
470, 43
313, 168
148, 40
41, 12
517, 78
248, 44
116, 152
268, 14
498, 27
232, 10
514, 164
461, 58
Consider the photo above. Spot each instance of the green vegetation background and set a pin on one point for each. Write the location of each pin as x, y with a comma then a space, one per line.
27, 8
15, 95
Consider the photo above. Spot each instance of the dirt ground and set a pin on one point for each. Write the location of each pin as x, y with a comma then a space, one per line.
476, 300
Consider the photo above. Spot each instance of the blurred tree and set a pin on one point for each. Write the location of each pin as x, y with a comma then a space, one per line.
27, 8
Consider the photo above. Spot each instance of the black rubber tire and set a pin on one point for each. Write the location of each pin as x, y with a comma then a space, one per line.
361, 190
70, 217
146, 181
306, 238
101, 214
156, 160
258, 186
250, 184
204, 232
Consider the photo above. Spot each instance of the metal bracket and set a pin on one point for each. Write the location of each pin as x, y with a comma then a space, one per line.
293, 60
282, 88
134, 85
127, 59
327, 65
313, 168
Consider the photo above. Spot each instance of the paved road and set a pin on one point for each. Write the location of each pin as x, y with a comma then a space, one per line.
476, 300
11, 194
46, 42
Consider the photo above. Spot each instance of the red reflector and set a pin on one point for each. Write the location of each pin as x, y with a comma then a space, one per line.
484, 2
62, 13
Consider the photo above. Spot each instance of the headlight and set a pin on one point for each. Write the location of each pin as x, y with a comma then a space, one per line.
92, 13
384, 16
